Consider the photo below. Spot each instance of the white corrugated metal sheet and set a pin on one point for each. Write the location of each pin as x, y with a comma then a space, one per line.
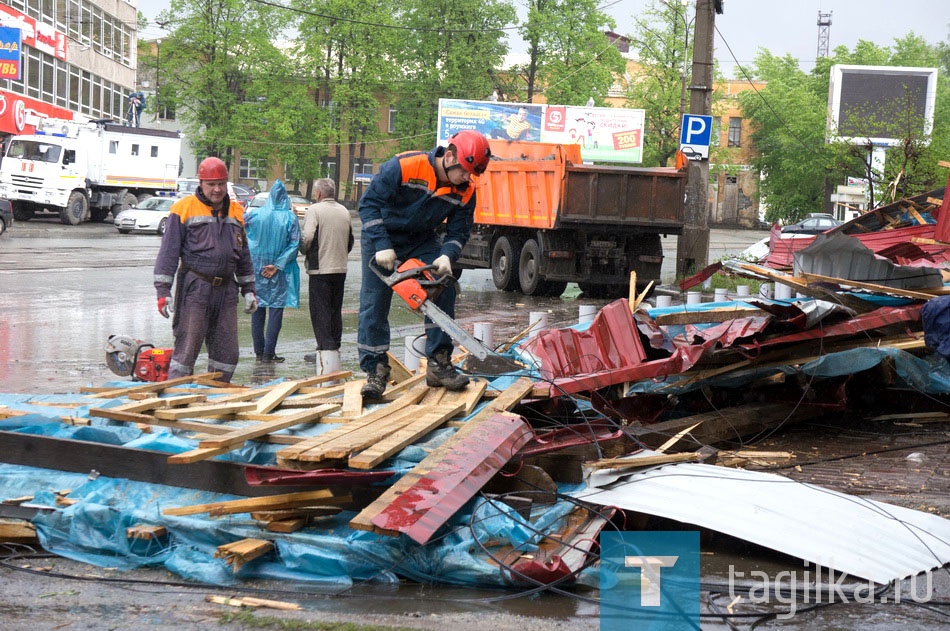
862, 537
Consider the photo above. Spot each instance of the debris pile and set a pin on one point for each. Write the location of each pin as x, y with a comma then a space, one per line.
509, 481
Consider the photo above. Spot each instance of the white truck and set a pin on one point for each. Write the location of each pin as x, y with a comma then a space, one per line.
84, 169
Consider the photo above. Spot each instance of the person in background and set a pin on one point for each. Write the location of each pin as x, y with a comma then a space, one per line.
403, 208
205, 246
326, 241
273, 235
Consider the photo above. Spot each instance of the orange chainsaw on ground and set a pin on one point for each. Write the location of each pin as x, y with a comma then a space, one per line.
418, 286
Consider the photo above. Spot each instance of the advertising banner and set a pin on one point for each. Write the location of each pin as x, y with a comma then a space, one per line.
35, 34
18, 114
605, 134
10, 46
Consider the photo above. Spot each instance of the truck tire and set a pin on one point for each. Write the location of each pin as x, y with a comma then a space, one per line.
128, 200
529, 268
22, 211
76, 209
504, 272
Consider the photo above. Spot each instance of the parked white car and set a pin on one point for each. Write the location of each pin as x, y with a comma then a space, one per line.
149, 215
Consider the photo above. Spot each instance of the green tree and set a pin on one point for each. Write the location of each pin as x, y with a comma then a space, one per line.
570, 59
799, 167
662, 41
449, 52
216, 51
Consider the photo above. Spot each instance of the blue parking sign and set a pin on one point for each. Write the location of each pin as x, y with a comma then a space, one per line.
695, 133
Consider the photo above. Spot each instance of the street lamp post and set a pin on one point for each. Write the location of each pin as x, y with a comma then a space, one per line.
158, 81
681, 14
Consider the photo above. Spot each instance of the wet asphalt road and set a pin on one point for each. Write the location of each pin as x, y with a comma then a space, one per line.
66, 289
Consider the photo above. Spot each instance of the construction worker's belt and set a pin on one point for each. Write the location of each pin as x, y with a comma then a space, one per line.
216, 281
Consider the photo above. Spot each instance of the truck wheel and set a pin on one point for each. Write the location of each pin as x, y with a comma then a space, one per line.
529, 268
503, 270
128, 200
22, 211
76, 209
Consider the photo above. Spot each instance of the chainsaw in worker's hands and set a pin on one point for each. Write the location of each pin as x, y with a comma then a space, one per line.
418, 285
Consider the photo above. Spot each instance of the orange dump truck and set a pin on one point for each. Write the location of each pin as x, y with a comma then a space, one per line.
544, 219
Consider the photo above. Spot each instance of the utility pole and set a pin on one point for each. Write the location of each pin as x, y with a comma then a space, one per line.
692, 247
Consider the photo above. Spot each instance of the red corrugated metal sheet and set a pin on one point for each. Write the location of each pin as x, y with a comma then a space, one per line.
426, 505
942, 231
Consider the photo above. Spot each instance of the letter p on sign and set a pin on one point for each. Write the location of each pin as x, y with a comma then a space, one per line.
695, 132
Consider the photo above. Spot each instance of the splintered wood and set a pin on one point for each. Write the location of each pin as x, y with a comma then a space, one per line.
240, 552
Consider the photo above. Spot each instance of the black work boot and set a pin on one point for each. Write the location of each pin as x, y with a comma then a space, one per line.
441, 372
376, 382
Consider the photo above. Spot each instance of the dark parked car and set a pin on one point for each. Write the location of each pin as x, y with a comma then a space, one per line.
815, 223
6, 215
243, 194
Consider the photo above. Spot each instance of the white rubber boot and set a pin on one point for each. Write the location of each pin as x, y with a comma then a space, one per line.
327, 362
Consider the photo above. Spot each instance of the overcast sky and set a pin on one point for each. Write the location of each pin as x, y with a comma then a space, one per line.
780, 26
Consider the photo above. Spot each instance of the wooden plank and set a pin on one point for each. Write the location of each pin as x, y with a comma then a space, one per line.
852, 302
154, 403
148, 419
645, 461
279, 422
917, 294
196, 455
707, 315
509, 398
240, 552
469, 397
248, 601
145, 531
395, 442
352, 400
409, 398
321, 497
276, 396
398, 371
364, 437
214, 409
153, 386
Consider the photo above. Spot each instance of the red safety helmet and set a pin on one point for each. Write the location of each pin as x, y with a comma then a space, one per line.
471, 150
212, 169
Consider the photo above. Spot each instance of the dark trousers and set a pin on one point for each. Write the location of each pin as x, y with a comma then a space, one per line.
205, 315
326, 309
375, 300
264, 329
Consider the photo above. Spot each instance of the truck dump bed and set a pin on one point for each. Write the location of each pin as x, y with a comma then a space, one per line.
544, 186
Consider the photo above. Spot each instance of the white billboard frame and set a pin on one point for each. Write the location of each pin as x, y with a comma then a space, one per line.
838, 72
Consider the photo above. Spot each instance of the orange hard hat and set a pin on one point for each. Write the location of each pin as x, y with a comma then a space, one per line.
471, 150
212, 169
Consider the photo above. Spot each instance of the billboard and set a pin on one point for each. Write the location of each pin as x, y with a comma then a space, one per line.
870, 103
605, 134
10, 48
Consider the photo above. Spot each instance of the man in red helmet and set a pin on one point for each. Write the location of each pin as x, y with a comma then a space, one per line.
410, 198
205, 244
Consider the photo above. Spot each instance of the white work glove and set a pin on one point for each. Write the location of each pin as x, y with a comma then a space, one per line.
166, 307
386, 259
250, 303
443, 265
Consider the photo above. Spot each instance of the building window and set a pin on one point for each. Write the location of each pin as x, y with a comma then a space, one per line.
154, 151
735, 132
329, 169
392, 119
135, 149
113, 146
362, 170
251, 169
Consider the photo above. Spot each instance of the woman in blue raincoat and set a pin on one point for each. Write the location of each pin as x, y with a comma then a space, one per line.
273, 236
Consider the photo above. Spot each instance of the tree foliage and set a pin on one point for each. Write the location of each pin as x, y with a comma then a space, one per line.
569, 57
664, 48
800, 168
217, 50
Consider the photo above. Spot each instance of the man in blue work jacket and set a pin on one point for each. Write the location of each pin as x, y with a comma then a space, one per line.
413, 194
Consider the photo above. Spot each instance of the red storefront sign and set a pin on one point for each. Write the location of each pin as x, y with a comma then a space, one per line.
38, 35
18, 114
